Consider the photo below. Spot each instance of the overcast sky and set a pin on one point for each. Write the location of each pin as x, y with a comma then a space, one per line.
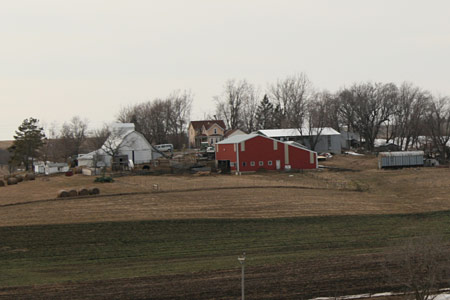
89, 58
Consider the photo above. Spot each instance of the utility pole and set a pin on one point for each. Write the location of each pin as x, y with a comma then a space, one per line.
241, 260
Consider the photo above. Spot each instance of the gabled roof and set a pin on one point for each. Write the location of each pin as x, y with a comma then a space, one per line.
244, 137
207, 123
238, 138
298, 145
231, 131
297, 132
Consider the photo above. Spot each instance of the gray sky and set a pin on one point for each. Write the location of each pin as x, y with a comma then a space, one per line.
89, 58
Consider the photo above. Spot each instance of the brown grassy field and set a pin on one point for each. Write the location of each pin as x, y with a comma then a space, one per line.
340, 254
366, 190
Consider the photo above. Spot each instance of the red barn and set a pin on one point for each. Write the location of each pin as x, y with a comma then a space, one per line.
251, 152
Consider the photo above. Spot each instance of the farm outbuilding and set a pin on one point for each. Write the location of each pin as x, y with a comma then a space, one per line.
326, 139
251, 152
400, 159
49, 168
128, 146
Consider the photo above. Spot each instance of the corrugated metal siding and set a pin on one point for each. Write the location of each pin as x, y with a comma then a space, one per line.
396, 159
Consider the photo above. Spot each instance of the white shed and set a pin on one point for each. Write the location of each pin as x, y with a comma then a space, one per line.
49, 168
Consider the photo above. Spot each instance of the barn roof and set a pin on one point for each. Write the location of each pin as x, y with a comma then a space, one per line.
297, 132
207, 123
118, 133
244, 137
238, 138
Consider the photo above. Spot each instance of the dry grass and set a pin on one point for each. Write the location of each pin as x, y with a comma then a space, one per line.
366, 191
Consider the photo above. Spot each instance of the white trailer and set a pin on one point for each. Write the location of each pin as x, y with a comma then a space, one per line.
400, 159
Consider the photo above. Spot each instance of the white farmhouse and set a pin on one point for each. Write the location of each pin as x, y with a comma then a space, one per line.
124, 142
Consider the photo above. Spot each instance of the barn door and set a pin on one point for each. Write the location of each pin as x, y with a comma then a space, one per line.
278, 164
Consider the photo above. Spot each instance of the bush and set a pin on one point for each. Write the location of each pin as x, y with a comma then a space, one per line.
104, 179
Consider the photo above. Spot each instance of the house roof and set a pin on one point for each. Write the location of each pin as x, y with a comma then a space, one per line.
231, 131
297, 132
207, 123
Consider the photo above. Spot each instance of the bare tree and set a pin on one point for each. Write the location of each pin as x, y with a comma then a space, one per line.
291, 96
161, 120
230, 105
181, 103
115, 143
409, 115
51, 150
249, 110
438, 122
420, 266
72, 136
98, 137
366, 107
317, 111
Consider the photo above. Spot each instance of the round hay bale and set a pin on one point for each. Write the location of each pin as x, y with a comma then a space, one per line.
83, 192
2, 183
30, 176
12, 180
73, 193
19, 178
94, 191
63, 194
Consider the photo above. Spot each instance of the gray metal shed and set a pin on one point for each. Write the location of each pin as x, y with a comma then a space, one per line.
400, 159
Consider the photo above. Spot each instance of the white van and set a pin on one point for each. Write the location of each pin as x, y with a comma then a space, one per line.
164, 147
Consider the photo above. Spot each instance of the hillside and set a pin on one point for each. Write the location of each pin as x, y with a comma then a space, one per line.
307, 234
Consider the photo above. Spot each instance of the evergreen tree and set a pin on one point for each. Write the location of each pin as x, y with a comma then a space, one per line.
27, 141
264, 114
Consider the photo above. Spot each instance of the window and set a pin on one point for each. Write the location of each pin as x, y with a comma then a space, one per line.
231, 164
261, 163
252, 163
244, 164
215, 130
269, 163
212, 141
329, 141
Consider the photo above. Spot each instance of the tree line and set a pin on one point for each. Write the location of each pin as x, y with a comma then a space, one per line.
400, 113
160, 121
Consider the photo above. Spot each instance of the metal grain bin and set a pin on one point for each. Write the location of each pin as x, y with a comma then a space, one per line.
400, 159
